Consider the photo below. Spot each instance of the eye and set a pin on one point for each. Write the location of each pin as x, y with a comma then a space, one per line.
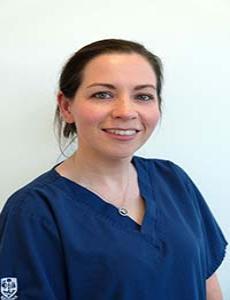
145, 97
102, 95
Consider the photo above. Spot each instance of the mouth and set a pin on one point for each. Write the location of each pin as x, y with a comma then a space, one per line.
121, 131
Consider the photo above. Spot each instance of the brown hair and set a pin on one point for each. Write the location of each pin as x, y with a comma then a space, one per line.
72, 74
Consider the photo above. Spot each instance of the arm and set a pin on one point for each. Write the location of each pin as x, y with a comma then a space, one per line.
213, 288
30, 258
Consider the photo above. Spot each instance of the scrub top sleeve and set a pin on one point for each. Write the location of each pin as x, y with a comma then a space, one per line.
214, 241
30, 258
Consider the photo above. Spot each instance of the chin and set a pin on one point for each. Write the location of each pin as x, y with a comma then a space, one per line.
119, 155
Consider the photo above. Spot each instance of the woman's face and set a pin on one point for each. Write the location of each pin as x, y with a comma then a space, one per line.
116, 107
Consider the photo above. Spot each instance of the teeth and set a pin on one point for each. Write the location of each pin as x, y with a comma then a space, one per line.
122, 132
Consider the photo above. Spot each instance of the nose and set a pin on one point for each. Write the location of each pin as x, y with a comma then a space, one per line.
124, 108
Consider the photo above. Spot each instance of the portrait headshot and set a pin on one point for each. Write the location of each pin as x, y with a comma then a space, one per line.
115, 169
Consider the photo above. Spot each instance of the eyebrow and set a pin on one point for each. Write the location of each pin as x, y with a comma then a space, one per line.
110, 86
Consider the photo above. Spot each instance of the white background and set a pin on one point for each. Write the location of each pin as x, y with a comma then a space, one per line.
191, 37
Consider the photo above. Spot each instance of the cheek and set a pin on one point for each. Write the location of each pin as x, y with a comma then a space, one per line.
88, 116
152, 118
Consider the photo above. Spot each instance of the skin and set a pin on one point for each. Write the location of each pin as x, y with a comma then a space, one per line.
120, 106
213, 288
103, 160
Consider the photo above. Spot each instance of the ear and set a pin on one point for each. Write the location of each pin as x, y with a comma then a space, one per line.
64, 105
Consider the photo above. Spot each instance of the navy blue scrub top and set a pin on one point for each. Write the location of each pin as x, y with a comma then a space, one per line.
59, 240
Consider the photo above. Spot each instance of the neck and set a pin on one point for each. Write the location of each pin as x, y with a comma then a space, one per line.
100, 171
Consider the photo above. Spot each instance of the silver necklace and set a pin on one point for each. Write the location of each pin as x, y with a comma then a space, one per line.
121, 209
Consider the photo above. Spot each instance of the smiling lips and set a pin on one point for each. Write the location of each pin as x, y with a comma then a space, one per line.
128, 132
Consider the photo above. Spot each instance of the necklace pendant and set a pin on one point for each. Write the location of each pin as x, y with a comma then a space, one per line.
123, 211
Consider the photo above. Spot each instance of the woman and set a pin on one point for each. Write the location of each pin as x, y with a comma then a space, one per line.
105, 224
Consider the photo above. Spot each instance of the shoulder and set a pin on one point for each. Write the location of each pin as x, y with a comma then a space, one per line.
32, 200
164, 168
168, 176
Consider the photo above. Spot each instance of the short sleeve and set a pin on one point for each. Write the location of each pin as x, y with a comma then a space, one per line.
213, 238
30, 257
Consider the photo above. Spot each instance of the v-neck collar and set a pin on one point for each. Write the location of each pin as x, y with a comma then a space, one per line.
108, 210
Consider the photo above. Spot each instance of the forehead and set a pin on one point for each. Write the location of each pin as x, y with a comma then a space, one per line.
119, 67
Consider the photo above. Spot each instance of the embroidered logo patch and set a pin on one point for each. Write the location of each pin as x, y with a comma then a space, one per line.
9, 288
